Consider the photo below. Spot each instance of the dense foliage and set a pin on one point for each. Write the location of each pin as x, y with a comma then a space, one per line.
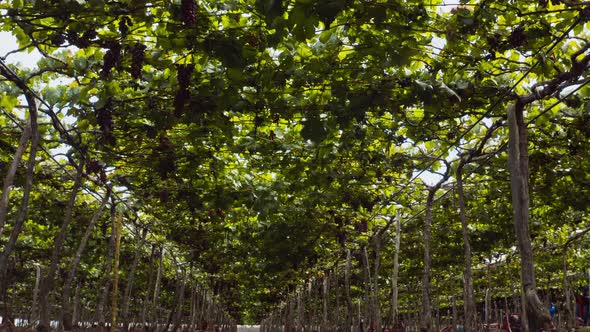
257, 142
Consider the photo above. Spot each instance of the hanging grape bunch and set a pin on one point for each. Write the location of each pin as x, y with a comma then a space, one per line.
103, 175
164, 195
124, 24
111, 58
188, 12
362, 226
137, 57
179, 101
104, 116
183, 76
166, 157
405, 82
83, 41
72, 37
517, 37
57, 39
93, 166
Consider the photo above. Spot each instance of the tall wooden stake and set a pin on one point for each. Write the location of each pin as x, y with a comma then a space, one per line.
116, 273
395, 289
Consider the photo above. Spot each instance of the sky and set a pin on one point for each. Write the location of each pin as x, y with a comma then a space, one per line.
8, 43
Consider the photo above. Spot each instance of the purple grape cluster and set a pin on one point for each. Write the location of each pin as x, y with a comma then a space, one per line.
362, 226
517, 37
405, 82
252, 40
188, 12
83, 41
104, 116
137, 57
124, 24
111, 57
57, 39
166, 164
92, 167
165, 144
103, 176
72, 37
183, 76
180, 99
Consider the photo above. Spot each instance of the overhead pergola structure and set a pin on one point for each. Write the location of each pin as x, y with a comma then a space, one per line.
311, 165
